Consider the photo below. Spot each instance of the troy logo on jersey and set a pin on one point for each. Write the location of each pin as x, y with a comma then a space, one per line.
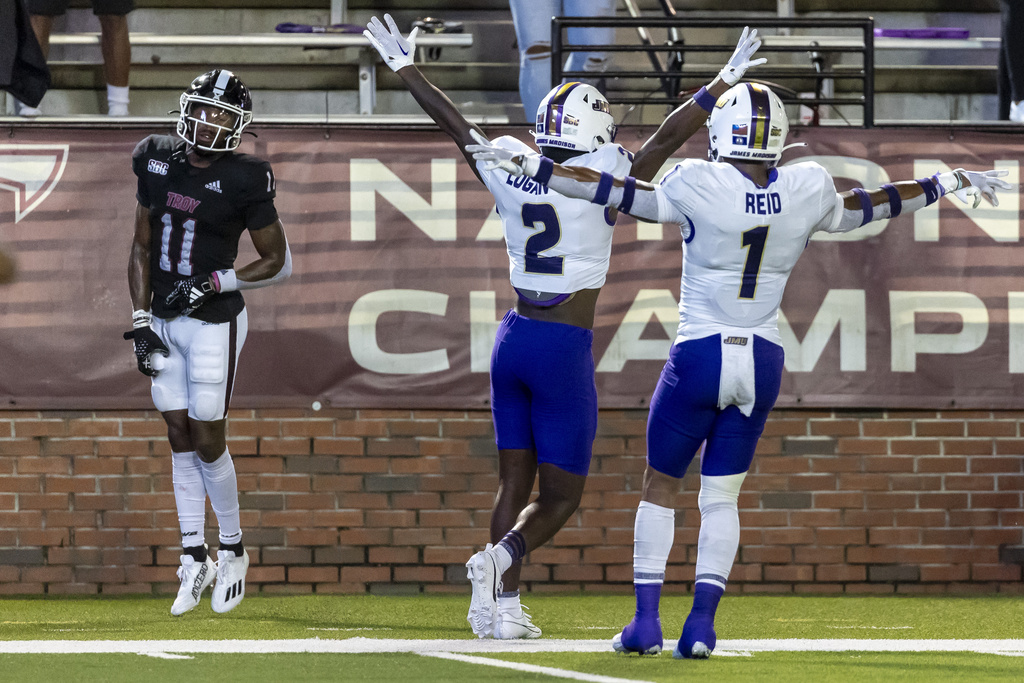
215, 186
177, 201
157, 167
30, 172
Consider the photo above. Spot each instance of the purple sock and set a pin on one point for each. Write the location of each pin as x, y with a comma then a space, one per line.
648, 595
705, 598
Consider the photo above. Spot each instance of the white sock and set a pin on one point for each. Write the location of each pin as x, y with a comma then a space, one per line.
189, 497
222, 487
504, 558
719, 527
509, 602
653, 535
117, 100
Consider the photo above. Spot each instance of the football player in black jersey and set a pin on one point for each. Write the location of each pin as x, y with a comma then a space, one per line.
196, 196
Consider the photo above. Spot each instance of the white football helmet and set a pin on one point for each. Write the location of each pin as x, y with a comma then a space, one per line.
748, 122
574, 116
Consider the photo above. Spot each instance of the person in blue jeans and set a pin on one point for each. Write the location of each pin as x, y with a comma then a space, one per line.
532, 21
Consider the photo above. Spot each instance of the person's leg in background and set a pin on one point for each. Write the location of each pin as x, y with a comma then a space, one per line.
591, 62
1011, 58
532, 22
41, 14
117, 51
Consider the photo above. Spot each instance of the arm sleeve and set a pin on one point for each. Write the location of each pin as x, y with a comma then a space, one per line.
258, 200
832, 217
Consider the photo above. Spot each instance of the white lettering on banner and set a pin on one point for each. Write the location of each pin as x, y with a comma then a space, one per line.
491, 229
1001, 223
436, 218
362, 332
1015, 312
627, 344
842, 308
907, 343
483, 327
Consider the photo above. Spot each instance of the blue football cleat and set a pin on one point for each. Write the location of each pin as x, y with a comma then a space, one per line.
643, 637
698, 639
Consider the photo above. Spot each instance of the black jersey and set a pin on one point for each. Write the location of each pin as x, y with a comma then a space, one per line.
197, 216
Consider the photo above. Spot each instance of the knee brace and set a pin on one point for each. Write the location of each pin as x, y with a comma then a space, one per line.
717, 491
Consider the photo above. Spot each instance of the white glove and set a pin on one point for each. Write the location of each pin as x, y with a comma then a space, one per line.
740, 61
963, 184
396, 51
495, 158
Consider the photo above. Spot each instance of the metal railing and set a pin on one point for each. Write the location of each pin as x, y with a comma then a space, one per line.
820, 67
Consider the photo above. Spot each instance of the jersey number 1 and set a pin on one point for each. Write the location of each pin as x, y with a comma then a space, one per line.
754, 239
184, 266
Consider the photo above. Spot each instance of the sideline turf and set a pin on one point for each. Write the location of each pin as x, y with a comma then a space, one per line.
574, 616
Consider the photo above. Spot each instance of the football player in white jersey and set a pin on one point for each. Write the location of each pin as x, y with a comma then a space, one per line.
745, 223
543, 395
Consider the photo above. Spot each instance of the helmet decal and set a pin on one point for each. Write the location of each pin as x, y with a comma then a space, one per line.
760, 116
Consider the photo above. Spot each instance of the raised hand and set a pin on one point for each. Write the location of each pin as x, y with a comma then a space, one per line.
976, 184
740, 61
496, 158
396, 51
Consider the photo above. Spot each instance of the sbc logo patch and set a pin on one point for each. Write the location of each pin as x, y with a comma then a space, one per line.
157, 167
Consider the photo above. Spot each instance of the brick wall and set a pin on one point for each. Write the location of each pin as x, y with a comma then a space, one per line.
395, 501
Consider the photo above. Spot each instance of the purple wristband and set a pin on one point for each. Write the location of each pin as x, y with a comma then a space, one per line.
705, 100
547, 167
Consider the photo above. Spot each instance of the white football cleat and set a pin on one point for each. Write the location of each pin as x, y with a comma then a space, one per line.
195, 577
482, 572
513, 625
1017, 112
230, 587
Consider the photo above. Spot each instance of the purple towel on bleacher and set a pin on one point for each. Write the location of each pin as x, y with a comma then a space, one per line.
954, 33
288, 27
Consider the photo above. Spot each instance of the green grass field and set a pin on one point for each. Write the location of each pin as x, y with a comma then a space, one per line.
365, 638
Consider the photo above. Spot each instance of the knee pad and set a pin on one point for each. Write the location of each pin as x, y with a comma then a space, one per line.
208, 406
165, 400
716, 491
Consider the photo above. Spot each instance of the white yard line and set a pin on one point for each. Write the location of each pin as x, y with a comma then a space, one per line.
530, 668
384, 645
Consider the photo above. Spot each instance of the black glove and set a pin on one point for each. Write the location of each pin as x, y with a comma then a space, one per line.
190, 293
146, 342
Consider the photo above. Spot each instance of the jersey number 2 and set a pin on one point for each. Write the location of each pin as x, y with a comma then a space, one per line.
754, 239
542, 241
184, 266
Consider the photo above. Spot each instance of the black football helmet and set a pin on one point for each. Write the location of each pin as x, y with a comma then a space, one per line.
219, 88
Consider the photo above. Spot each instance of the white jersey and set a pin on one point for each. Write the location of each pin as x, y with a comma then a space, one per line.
555, 244
742, 241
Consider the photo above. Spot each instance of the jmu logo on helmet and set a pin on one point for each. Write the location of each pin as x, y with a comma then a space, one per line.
31, 172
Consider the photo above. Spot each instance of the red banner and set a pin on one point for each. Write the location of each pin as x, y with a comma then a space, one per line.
401, 276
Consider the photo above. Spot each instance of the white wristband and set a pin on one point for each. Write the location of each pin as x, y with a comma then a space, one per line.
141, 318
225, 280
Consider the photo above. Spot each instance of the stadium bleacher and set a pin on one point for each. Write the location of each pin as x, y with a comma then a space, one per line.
910, 84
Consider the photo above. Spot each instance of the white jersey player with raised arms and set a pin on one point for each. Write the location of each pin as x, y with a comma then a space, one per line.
543, 394
744, 223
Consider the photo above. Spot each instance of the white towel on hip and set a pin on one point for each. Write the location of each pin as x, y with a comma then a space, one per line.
736, 384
